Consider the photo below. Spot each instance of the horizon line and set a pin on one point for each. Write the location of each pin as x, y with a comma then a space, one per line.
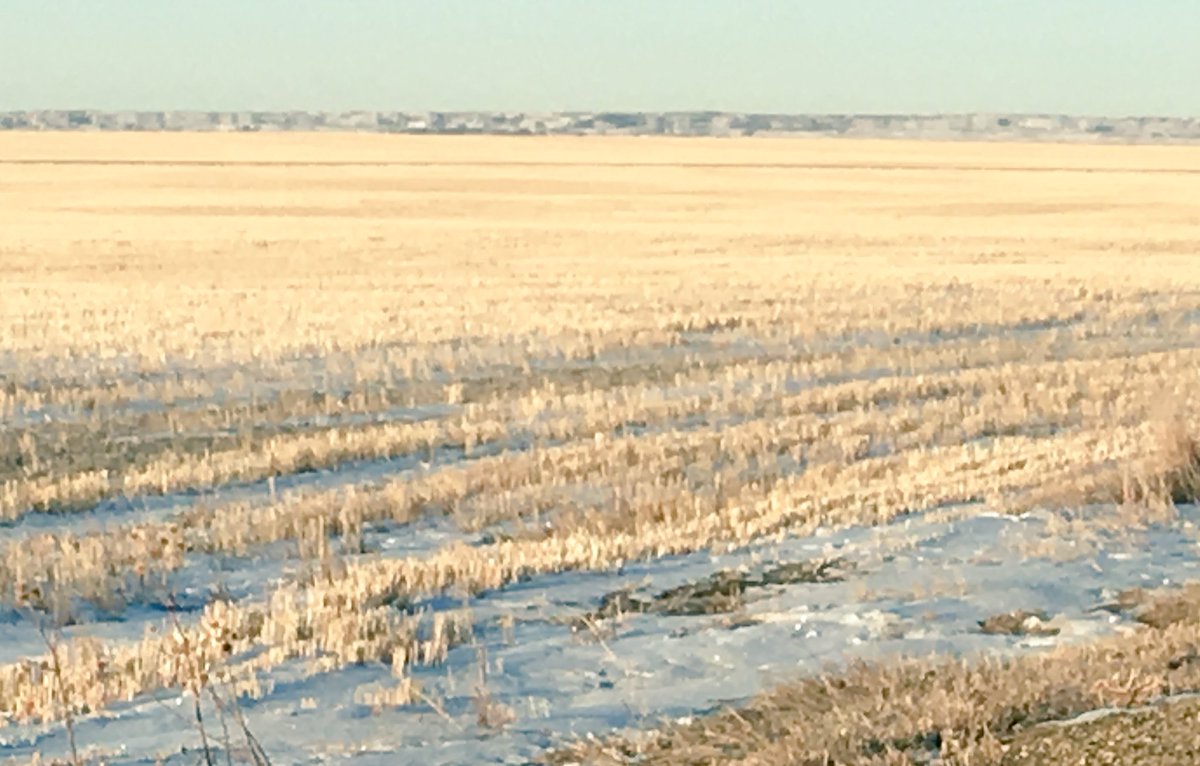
566, 112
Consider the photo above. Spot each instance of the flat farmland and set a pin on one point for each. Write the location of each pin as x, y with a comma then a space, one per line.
380, 449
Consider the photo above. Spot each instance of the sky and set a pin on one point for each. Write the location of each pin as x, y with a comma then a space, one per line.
1099, 57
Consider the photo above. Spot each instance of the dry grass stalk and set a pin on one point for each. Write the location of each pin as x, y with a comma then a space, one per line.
489, 713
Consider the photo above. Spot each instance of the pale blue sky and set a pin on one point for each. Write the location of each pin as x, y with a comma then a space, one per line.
1077, 56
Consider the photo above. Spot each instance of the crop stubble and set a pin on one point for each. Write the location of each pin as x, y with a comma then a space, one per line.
627, 348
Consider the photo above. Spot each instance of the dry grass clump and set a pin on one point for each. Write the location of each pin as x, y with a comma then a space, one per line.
906, 711
1164, 734
53, 573
331, 629
1161, 607
1181, 479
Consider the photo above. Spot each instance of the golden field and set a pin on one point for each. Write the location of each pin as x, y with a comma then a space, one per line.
589, 351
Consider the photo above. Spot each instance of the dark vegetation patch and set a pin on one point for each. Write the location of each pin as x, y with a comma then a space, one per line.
1019, 622
723, 592
707, 326
1160, 608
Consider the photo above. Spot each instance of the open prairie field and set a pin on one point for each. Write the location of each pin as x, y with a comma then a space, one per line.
376, 450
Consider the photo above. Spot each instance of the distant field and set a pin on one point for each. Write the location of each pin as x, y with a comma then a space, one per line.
492, 450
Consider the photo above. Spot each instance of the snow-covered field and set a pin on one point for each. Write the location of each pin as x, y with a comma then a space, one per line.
917, 586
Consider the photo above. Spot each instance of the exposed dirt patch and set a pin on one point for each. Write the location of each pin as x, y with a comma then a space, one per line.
1019, 622
720, 593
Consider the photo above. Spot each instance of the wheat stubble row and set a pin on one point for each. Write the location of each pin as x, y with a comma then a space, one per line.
833, 423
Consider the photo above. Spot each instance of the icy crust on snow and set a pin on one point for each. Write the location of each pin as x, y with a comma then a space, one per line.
917, 586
